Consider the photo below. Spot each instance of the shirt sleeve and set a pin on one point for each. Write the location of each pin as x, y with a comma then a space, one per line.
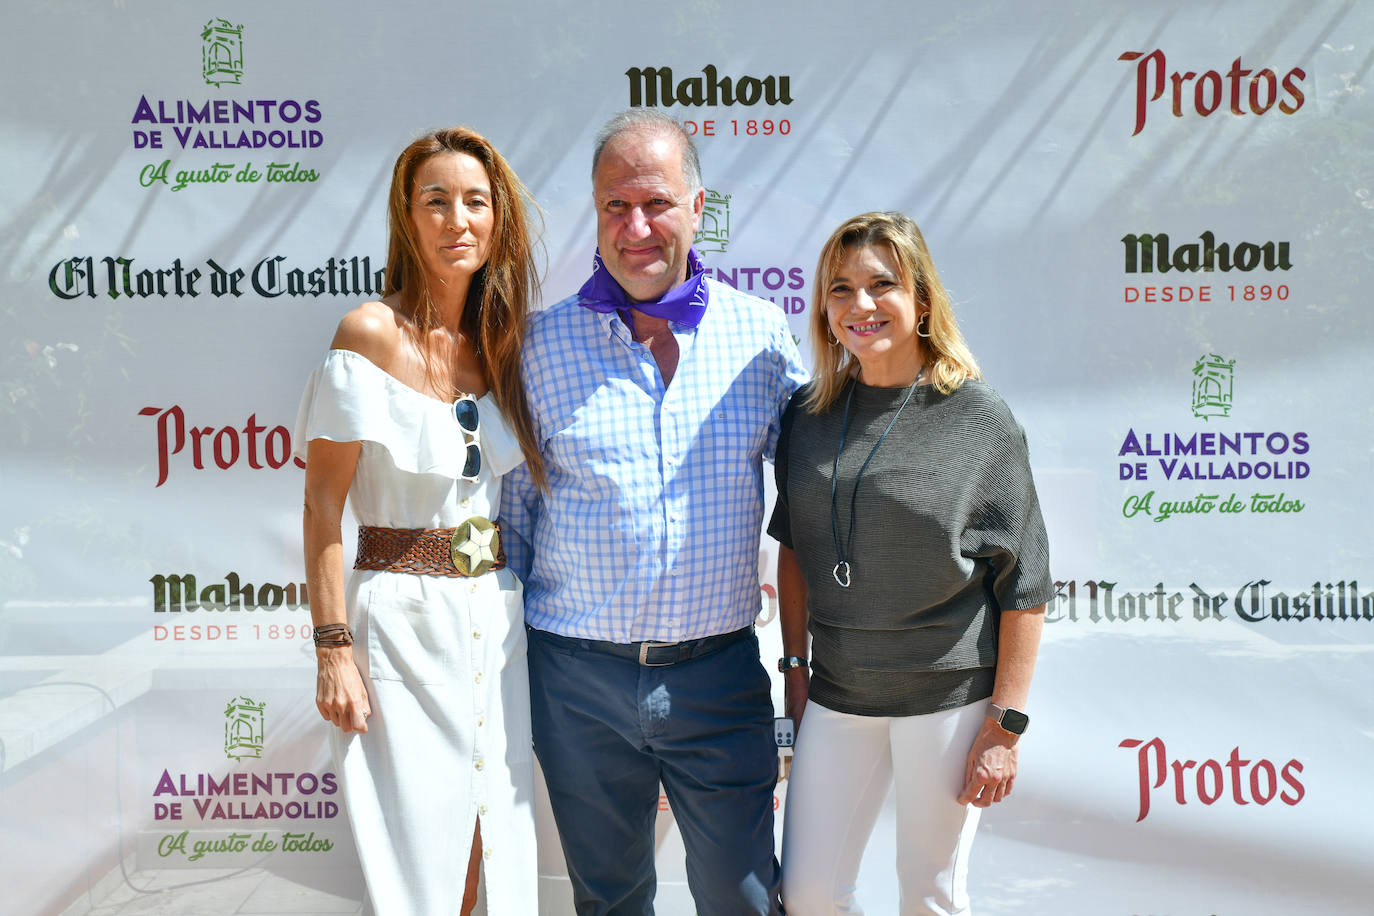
521, 503
521, 500
1006, 526
791, 375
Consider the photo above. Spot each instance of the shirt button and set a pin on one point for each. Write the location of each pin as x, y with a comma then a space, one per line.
477, 678
465, 501
482, 809
486, 853
481, 720
478, 764
476, 634
473, 586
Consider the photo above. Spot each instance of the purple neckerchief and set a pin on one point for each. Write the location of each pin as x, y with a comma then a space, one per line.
684, 304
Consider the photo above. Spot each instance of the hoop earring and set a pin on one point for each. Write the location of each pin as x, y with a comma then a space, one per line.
925, 316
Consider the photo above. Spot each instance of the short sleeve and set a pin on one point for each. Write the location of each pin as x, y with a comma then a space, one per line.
349, 399
780, 525
335, 403
1006, 526
790, 376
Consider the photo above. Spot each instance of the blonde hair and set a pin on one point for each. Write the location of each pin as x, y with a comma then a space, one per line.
949, 363
501, 293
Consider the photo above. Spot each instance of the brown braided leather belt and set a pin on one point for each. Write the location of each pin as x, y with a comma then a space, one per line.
471, 549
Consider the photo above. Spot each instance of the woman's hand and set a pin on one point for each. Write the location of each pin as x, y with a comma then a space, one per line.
991, 767
340, 693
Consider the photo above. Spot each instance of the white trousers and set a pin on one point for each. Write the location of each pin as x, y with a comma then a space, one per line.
841, 772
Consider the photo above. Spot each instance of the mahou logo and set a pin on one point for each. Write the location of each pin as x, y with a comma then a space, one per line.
1205, 92
653, 86
1238, 781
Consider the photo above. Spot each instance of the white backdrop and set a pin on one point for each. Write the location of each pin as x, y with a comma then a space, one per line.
1201, 437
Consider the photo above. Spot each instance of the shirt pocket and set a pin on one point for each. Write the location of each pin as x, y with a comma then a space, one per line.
409, 640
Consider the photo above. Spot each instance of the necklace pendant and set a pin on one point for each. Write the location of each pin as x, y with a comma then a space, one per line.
841, 573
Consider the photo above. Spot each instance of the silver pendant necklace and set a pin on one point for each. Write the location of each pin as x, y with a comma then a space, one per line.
841, 572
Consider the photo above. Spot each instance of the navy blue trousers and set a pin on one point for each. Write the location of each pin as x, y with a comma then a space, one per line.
608, 731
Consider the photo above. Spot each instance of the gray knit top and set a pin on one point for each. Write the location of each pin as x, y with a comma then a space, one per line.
947, 532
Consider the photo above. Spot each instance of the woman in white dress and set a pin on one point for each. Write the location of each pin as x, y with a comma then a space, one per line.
414, 416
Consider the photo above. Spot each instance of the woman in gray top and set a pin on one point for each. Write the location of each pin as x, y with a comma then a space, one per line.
913, 550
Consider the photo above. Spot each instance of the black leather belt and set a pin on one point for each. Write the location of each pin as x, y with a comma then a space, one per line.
656, 654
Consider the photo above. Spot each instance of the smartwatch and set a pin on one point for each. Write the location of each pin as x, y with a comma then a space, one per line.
788, 662
1008, 719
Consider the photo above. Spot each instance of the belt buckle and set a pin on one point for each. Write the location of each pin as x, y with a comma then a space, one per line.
475, 545
644, 648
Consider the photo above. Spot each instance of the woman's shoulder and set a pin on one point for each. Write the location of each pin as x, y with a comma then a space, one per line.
980, 406
372, 330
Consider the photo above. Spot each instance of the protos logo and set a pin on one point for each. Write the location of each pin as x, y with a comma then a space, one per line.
1260, 93
1211, 780
226, 444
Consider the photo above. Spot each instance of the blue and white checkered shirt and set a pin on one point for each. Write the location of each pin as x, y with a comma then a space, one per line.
651, 527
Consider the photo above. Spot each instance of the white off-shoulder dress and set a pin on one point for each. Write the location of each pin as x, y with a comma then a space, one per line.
448, 742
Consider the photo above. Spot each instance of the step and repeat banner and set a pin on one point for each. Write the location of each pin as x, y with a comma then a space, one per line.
1156, 219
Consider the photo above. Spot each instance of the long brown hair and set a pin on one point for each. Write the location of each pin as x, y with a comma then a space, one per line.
948, 359
501, 293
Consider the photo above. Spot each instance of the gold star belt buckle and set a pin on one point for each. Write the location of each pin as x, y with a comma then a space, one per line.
475, 546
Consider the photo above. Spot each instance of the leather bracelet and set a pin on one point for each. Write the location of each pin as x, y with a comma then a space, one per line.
332, 636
